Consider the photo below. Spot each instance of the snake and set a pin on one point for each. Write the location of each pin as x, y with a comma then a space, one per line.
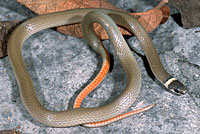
106, 18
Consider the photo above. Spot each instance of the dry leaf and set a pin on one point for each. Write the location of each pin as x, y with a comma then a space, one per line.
149, 19
13, 131
190, 12
49, 6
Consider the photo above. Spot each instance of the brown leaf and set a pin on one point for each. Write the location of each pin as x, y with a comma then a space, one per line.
166, 14
49, 6
6, 27
190, 12
149, 19
13, 131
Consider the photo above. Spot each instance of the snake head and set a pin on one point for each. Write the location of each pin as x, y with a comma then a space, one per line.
175, 86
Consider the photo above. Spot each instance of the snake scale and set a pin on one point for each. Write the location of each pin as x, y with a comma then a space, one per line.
106, 18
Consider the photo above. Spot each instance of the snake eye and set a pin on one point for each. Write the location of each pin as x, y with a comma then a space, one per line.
177, 87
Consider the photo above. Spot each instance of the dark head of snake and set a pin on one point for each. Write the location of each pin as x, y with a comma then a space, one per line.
175, 86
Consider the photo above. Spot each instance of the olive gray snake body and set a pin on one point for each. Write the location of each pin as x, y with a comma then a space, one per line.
106, 18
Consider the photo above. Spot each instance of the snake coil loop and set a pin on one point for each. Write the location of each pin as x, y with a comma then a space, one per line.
79, 116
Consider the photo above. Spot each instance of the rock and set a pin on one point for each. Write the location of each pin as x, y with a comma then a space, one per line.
61, 66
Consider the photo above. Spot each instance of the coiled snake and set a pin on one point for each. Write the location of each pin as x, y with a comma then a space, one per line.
106, 18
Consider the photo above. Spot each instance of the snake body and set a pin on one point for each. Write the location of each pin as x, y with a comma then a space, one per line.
79, 116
